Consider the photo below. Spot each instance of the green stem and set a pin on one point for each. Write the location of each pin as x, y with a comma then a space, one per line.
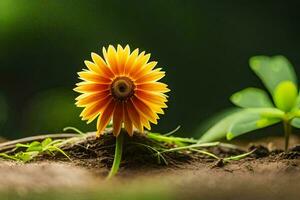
169, 139
238, 157
193, 146
74, 129
287, 133
206, 153
118, 156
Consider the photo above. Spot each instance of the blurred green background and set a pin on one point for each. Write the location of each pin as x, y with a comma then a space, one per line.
203, 46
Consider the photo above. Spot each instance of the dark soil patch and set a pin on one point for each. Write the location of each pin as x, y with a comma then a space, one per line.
135, 155
265, 174
98, 153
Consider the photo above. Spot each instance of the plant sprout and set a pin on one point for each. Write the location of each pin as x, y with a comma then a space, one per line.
257, 109
34, 149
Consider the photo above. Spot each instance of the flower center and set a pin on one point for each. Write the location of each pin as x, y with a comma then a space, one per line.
122, 88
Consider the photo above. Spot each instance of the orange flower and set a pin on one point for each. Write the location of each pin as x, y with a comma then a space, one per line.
123, 87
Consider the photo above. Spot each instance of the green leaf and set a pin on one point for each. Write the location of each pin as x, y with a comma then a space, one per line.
212, 120
273, 70
285, 95
249, 122
34, 146
4, 155
34, 143
26, 156
296, 122
46, 142
251, 98
267, 112
19, 145
295, 113
219, 130
298, 101
258, 116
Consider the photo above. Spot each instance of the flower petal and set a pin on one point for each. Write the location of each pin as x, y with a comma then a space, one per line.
111, 59
134, 116
155, 75
128, 122
95, 109
120, 59
86, 87
145, 122
118, 118
145, 69
153, 87
86, 99
123, 59
145, 110
154, 97
93, 77
105, 117
155, 107
139, 63
103, 68
130, 61
92, 67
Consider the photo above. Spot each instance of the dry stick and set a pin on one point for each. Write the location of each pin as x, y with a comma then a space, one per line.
12, 144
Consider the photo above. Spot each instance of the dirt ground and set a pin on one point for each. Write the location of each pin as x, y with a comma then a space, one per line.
268, 173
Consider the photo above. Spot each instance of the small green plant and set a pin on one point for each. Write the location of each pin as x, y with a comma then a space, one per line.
257, 109
35, 148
